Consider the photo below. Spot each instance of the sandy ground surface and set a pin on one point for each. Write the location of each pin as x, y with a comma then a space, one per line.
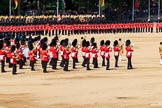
98, 88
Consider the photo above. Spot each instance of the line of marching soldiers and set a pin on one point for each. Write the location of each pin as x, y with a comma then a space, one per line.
13, 51
79, 28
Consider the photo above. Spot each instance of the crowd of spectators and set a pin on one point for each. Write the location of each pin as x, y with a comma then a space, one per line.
52, 19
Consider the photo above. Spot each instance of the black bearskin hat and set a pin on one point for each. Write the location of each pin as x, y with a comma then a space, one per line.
92, 40
115, 43
87, 43
94, 45
44, 46
65, 43
102, 43
39, 37
62, 41
107, 43
128, 42
8, 43
84, 43
12, 48
30, 47
45, 39
17, 45
56, 37
1, 44
23, 42
53, 43
74, 43
160, 43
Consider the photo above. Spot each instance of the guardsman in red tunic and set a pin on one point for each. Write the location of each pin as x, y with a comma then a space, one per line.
66, 53
20, 55
87, 54
74, 52
95, 55
61, 53
102, 52
83, 52
22, 46
129, 51
53, 53
108, 49
9, 55
13, 60
31, 54
116, 52
7, 50
44, 57
2, 57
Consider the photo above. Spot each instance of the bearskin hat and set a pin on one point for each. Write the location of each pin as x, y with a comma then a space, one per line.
115, 43
8, 43
1, 36
1, 44
23, 42
44, 46
84, 43
18, 45
53, 43
67, 40
65, 43
30, 47
128, 42
62, 41
39, 37
12, 48
87, 43
12, 37
94, 45
102, 43
74, 43
107, 43
92, 40
45, 39
56, 37
160, 43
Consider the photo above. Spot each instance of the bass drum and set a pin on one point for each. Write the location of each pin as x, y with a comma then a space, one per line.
25, 52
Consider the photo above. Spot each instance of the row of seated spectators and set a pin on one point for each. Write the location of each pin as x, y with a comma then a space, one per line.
52, 19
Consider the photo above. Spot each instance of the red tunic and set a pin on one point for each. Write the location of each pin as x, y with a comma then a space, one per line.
31, 55
116, 51
2, 55
107, 52
87, 53
94, 53
83, 52
102, 51
20, 54
44, 56
66, 54
13, 58
129, 51
74, 52
53, 52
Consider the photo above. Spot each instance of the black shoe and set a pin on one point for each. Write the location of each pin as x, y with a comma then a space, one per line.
33, 70
89, 69
83, 65
107, 69
116, 66
14, 74
4, 71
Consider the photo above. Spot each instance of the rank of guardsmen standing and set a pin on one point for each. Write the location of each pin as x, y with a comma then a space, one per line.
15, 51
